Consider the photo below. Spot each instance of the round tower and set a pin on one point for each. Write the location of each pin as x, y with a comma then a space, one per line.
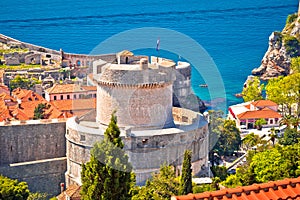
141, 94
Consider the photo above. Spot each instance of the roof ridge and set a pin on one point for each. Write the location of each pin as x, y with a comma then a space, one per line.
272, 186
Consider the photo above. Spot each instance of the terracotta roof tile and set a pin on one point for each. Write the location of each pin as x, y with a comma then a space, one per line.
265, 113
263, 103
52, 112
73, 192
90, 88
76, 104
65, 88
282, 189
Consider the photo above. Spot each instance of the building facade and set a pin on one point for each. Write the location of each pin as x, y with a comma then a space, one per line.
153, 131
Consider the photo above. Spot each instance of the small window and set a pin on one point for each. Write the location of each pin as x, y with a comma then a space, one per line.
61, 97
144, 141
68, 96
82, 138
74, 96
94, 95
54, 97
271, 121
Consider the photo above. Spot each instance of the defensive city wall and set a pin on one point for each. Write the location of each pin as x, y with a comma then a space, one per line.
34, 151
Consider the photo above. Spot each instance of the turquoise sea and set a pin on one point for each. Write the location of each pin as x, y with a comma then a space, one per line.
234, 32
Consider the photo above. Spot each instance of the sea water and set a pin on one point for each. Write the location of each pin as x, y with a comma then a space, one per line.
233, 32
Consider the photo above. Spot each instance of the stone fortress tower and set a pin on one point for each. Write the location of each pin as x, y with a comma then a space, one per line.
153, 131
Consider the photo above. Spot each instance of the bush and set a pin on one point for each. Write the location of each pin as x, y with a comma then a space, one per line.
291, 18
291, 45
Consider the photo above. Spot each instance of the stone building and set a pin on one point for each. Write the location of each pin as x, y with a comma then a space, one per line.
153, 131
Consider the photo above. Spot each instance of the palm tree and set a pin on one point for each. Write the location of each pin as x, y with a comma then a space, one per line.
251, 140
273, 136
290, 121
295, 121
259, 123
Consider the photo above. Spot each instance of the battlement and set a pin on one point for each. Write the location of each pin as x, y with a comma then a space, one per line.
30, 122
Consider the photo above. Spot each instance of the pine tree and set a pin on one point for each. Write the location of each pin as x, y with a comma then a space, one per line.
39, 111
108, 173
186, 176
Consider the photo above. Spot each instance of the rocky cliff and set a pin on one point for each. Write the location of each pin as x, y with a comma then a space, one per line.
283, 46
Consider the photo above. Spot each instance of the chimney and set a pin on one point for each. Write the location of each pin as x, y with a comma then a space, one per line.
62, 187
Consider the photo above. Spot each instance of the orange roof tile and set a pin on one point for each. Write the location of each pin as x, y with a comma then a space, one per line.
76, 104
257, 114
4, 96
282, 189
263, 103
73, 192
4, 111
90, 88
51, 112
65, 88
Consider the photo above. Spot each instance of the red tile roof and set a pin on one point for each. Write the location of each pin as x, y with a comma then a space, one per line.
282, 189
73, 192
11, 110
65, 88
257, 114
26, 95
75, 104
263, 103
90, 88
51, 111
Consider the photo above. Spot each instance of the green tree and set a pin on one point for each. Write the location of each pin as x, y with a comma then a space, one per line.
290, 137
24, 83
250, 140
108, 174
253, 90
216, 121
220, 172
161, 186
39, 111
295, 65
37, 196
186, 176
269, 165
13, 189
272, 136
229, 138
259, 123
285, 91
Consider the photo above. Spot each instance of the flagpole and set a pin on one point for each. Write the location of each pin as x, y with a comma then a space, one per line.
157, 48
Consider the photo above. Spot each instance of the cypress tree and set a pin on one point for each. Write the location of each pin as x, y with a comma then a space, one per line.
108, 174
186, 175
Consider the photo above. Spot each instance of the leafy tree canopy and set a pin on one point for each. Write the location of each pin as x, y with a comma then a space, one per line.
269, 165
108, 174
13, 189
253, 90
161, 186
24, 83
229, 139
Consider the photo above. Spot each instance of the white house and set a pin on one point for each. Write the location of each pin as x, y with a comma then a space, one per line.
245, 114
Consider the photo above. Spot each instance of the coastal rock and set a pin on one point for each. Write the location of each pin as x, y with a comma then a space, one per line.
276, 60
282, 47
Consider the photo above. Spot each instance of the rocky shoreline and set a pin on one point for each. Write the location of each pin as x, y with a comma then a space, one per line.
282, 47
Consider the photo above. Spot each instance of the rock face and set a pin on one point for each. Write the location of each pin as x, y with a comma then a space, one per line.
282, 47
276, 61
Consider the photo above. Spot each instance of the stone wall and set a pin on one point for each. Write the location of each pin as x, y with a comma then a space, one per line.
136, 107
34, 151
41, 176
147, 149
31, 141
